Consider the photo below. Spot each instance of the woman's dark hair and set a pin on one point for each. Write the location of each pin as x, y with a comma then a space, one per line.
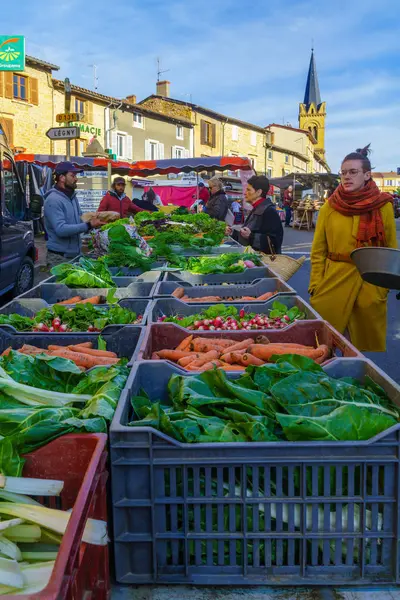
260, 182
151, 196
361, 154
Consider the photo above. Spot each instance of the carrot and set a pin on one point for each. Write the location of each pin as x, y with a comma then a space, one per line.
265, 296
92, 300
233, 357
247, 298
206, 366
248, 359
173, 355
179, 292
227, 367
83, 360
72, 300
205, 358
85, 345
241, 345
324, 354
184, 345
186, 360
92, 352
32, 350
206, 344
265, 351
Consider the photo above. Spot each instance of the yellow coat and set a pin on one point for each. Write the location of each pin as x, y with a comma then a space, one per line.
338, 293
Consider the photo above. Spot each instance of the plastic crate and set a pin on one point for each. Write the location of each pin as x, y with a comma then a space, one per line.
120, 282
248, 513
225, 248
81, 570
160, 336
164, 289
139, 273
124, 340
247, 276
30, 306
58, 292
170, 307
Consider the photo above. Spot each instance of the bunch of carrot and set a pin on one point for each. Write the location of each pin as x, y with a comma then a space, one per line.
203, 353
181, 295
83, 355
80, 300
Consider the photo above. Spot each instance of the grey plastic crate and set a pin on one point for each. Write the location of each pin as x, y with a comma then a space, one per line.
30, 306
253, 513
119, 281
170, 307
161, 336
58, 292
225, 248
164, 289
124, 340
146, 275
246, 277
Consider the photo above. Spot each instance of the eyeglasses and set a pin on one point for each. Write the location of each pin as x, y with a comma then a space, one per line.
351, 172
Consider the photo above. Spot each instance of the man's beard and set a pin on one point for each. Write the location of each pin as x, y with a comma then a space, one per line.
71, 186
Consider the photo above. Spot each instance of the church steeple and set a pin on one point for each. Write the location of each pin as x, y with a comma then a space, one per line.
312, 93
312, 111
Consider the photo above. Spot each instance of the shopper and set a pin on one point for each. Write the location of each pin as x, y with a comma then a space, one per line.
147, 201
117, 201
262, 228
62, 216
217, 205
287, 203
356, 215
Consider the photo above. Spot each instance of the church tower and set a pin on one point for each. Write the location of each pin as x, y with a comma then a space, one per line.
312, 111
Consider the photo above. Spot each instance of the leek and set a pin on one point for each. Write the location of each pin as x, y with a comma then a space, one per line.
95, 531
11, 523
9, 549
29, 485
23, 533
35, 578
10, 573
18, 498
32, 396
40, 556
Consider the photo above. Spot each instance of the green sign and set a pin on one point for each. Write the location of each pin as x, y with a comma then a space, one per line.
12, 52
88, 128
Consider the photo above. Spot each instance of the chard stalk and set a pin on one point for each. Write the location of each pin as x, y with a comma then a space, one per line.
32, 396
35, 578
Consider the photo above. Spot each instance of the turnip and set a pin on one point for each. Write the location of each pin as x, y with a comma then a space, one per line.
249, 264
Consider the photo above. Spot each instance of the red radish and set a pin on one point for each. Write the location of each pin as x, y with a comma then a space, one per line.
242, 313
51, 329
63, 327
43, 327
90, 328
249, 264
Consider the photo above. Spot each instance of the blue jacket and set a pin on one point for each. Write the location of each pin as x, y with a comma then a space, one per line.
62, 218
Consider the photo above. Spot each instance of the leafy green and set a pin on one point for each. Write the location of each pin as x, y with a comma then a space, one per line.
86, 273
223, 263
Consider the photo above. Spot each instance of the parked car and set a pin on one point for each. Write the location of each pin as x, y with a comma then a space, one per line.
17, 247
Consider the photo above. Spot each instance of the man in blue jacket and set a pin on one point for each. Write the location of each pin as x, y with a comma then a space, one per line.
62, 216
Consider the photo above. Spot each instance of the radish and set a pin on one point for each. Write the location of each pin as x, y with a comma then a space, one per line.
242, 313
43, 327
197, 323
63, 327
249, 264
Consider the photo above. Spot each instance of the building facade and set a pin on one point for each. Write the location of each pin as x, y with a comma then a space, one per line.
27, 106
387, 181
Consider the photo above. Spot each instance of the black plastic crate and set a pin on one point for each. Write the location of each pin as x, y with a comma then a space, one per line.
58, 292
170, 307
124, 340
165, 289
276, 513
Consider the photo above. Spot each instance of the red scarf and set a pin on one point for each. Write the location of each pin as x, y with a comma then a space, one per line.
366, 204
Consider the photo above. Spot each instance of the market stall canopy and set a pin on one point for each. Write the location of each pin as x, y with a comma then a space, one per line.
145, 168
305, 180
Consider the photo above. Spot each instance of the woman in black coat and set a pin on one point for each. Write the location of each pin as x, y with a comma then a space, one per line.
217, 205
262, 229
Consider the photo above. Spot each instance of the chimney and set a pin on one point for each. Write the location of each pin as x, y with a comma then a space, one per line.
131, 99
163, 88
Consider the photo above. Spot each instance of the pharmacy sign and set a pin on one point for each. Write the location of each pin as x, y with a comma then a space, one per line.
12, 52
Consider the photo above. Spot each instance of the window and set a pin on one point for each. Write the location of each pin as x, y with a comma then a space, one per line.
78, 147
235, 133
287, 159
121, 145
398, 182
154, 150
20, 87
80, 106
138, 120
179, 132
208, 133
179, 152
389, 182
253, 162
270, 172
253, 138
14, 198
270, 155
286, 172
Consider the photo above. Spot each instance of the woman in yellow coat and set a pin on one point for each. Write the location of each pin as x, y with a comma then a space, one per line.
357, 214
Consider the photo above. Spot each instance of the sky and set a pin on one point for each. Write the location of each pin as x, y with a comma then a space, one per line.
248, 61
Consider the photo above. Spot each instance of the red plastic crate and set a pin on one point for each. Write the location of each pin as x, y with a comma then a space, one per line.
159, 336
81, 570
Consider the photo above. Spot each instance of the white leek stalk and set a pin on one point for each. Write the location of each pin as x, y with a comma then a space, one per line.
10, 523
9, 549
32, 486
10, 573
18, 498
35, 578
56, 520
23, 533
40, 556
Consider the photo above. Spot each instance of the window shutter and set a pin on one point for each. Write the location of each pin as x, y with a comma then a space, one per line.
203, 132
129, 148
1, 85
8, 84
89, 112
147, 150
173, 152
160, 151
213, 135
187, 153
114, 142
33, 90
8, 127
